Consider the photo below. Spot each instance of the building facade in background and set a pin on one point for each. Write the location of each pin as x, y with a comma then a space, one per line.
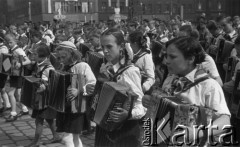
16, 11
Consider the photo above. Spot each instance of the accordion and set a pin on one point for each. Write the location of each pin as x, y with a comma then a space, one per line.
112, 96
30, 97
8, 62
168, 112
59, 82
95, 61
224, 50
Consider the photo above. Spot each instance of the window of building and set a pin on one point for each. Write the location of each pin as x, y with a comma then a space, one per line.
114, 4
143, 9
78, 7
122, 6
190, 7
167, 8
174, 8
64, 6
104, 6
149, 8
159, 8
85, 7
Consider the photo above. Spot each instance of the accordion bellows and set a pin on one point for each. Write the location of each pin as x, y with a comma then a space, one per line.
172, 111
112, 96
30, 97
95, 61
7, 64
59, 82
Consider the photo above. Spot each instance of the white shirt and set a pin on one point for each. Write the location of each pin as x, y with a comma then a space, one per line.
131, 78
207, 93
45, 74
86, 75
18, 52
145, 63
3, 49
210, 67
237, 67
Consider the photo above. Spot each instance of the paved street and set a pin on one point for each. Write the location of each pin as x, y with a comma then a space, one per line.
21, 132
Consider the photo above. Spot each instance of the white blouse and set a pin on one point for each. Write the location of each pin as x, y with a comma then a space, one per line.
145, 63
207, 93
86, 75
132, 79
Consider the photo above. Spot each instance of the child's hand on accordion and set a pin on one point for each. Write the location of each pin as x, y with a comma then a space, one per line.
90, 88
72, 94
147, 101
17, 65
41, 88
118, 115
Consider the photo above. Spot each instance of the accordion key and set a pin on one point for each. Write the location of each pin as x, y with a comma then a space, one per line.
95, 61
112, 96
7, 64
169, 112
59, 82
30, 97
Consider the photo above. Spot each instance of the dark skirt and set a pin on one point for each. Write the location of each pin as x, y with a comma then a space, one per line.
16, 81
47, 113
129, 135
3, 79
70, 122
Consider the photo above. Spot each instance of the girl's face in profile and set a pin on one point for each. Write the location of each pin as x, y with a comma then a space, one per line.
110, 48
176, 62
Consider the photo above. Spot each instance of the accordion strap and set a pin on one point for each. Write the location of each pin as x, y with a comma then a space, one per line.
139, 55
67, 68
44, 68
120, 71
197, 81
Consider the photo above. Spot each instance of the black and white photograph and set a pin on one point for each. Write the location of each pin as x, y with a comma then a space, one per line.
119, 73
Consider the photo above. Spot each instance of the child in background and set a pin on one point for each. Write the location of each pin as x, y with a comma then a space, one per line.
16, 81
3, 79
228, 86
72, 123
43, 66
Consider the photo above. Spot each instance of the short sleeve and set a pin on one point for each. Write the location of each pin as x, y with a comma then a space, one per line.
20, 52
214, 98
132, 79
210, 67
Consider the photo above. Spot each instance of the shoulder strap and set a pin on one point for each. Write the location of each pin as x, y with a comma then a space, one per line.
67, 68
39, 74
120, 71
138, 56
14, 49
197, 81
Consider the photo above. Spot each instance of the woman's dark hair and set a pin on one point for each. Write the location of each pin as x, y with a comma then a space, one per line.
43, 51
189, 47
120, 41
237, 41
190, 31
139, 38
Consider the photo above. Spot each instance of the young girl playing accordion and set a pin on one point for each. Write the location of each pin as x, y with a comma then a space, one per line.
126, 74
68, 122
184, 55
